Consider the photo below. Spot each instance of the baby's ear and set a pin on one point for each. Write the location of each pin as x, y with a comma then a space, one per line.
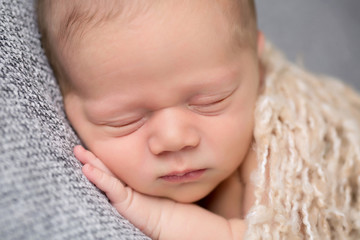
260, 43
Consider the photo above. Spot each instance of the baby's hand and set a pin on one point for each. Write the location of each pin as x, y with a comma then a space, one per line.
157, 217
136, 207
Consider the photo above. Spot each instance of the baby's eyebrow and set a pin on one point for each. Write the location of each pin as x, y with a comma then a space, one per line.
216, 76
113, 117
109, 108
218, 84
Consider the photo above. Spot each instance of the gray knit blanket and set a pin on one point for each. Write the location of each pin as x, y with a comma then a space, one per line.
43, 194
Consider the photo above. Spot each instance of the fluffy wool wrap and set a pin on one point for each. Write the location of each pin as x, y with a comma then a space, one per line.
307, 139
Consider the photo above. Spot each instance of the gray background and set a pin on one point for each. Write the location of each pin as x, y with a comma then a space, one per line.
322, 34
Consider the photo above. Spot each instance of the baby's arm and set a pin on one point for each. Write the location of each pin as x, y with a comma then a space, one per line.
157, 217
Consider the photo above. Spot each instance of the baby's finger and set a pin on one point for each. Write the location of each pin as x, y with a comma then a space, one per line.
113, 187
85, 156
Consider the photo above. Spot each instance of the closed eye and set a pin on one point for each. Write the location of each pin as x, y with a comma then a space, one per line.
123, 128
211, 105
124, 124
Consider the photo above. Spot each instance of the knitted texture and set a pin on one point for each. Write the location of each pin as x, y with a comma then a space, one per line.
43, 193
307, 138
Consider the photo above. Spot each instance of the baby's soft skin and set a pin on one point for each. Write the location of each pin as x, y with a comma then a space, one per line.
159, 218
165, 102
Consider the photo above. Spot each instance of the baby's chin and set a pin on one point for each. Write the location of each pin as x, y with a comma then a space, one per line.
187, 193
186, 197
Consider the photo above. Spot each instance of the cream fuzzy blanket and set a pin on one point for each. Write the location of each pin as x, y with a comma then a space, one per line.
307, 138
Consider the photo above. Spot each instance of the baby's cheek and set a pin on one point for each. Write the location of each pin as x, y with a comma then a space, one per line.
120, 156
108, 152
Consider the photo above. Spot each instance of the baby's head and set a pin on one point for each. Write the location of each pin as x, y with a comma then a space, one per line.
161, 91
64, 23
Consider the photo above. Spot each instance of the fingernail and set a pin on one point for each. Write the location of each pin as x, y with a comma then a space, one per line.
79, 147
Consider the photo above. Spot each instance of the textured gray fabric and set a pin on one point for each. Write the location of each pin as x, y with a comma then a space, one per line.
43, 194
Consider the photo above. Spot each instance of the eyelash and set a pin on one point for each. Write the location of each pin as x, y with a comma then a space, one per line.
129, 127
210, 108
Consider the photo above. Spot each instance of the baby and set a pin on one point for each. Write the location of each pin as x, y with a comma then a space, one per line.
192, 124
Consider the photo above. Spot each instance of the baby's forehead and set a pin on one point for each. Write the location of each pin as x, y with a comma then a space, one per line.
74, 18
77, 17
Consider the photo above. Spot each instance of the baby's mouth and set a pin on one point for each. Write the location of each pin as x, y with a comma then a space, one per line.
183, 176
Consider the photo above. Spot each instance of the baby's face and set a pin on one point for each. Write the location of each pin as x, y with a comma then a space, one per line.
166, 105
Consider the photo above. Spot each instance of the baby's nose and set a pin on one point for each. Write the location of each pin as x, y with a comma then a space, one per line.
172, 130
